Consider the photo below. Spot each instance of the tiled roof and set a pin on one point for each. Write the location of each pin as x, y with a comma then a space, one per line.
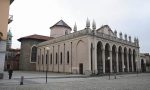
36, 37
61, 23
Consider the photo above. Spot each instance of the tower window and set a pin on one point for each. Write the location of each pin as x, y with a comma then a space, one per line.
33, 54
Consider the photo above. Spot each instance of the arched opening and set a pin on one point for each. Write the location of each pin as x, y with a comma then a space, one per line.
107, 61
114, 66
130, 62
99, 58
134, 61
125, 60
143, 66
120, 58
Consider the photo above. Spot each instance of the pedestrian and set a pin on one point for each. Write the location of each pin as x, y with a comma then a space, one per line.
10, 71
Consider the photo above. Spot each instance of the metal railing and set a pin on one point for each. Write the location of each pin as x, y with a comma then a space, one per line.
10, 19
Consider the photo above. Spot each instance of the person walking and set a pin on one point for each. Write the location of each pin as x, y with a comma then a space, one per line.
10, 71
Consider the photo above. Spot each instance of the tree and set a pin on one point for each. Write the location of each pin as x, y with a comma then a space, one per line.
1, 34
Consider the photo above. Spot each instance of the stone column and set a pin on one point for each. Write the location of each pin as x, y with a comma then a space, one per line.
127, 61
122, 57
117, 65
103, 58
95, 58
132, 62
110, 53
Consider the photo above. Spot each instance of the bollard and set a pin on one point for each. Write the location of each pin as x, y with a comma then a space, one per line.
21, 81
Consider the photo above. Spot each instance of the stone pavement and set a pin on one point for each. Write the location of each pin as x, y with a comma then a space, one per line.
77, 82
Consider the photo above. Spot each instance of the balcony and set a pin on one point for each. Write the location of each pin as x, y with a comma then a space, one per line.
10, 19
11, 1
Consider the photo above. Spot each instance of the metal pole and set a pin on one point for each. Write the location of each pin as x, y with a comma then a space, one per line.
46, 76
109, 75
46, 68
47, 48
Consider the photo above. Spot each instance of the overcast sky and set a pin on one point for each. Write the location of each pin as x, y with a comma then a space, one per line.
36, 16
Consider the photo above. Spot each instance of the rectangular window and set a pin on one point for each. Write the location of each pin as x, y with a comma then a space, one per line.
68, 57
61, 58
46, 58
42, 58
51, 59
56, 58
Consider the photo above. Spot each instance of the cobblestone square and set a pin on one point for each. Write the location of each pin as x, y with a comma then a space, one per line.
70, 82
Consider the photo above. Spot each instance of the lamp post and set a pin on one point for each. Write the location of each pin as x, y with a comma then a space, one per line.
109, 67
47, 48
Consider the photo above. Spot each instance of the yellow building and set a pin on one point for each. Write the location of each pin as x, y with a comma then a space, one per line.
5, 19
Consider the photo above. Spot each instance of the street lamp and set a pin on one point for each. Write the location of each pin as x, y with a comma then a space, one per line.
47, 48
109, 65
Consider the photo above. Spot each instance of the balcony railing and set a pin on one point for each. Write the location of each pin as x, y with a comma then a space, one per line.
10, 19
11, 1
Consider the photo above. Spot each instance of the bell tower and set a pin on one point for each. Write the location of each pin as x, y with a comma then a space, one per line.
60, 29
9, 39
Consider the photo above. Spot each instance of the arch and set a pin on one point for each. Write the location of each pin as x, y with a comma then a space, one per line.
134, 60
99, 57
33, 54
120, 58
125, 59
114, 65
130, 62
143, 66
81, 55
107, 54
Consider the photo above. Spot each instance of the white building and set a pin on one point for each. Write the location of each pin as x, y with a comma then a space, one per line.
87, 51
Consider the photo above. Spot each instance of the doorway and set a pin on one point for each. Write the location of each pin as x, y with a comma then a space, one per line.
81, 68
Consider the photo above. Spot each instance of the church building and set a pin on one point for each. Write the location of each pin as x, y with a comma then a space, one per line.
87, 51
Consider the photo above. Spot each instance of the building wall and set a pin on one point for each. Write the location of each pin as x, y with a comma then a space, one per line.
12, 59
2, 55
59, 31
4, 13
84, 53
25, 55
78, 53
4, 9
